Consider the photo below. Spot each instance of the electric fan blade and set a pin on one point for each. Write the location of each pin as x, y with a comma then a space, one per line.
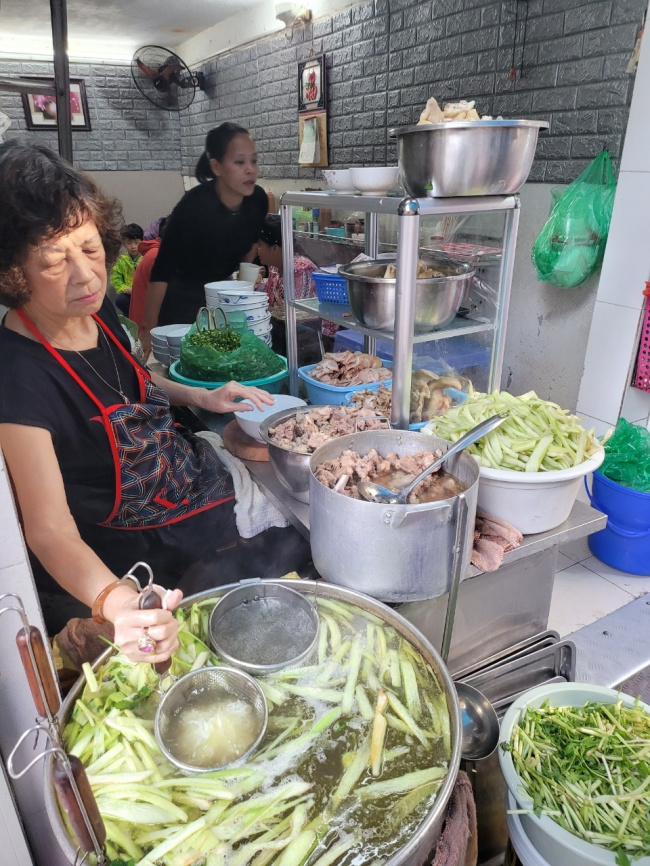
150, 73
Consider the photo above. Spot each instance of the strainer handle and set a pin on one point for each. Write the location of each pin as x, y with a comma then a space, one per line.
150, 600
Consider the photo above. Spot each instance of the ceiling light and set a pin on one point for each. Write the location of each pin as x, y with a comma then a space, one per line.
292, 13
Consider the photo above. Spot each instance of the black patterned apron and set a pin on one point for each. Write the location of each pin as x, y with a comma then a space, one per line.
160, 476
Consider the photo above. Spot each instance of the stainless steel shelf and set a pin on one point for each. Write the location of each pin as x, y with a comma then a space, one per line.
389, 204
341, 314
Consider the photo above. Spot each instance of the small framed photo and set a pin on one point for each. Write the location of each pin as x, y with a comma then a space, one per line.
40, 109
312, 87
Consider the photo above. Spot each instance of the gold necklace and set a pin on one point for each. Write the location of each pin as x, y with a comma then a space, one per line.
117, 390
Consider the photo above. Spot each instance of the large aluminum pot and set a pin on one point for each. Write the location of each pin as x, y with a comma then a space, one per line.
396, 553
437, 299
416, 852
474, 157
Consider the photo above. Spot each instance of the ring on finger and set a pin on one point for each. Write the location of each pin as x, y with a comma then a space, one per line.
146, 644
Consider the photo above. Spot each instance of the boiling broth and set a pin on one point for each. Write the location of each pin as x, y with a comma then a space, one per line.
212, 729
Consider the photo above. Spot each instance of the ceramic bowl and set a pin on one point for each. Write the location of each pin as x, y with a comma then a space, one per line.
375, 181
338, 180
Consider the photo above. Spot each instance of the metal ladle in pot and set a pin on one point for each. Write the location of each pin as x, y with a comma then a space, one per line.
376, 493
479, 722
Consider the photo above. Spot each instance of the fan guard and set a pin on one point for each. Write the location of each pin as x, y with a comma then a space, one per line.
163, 78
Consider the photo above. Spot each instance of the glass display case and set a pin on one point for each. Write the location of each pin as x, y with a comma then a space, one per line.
333, 229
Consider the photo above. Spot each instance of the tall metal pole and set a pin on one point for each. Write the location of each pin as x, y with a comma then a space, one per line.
59, 13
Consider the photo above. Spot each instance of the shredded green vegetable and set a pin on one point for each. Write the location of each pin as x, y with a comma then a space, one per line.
279, 807
588, 768
538, 436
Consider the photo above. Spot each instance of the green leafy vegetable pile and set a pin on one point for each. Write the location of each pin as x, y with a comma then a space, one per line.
223, 340
538, 436
588, 768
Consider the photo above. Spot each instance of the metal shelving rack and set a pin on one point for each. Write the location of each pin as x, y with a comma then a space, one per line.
408, 212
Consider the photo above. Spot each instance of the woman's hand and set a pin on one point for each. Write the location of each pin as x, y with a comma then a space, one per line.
131, 624
223, 399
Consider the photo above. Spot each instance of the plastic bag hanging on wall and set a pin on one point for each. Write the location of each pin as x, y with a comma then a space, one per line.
571, 246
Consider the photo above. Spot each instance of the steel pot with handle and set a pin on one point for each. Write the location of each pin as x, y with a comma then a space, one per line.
395, 553
416, 851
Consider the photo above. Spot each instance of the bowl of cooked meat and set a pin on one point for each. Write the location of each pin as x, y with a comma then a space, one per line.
440, 285
293, 435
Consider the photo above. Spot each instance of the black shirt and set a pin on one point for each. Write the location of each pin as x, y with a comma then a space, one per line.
36, 391
204, 242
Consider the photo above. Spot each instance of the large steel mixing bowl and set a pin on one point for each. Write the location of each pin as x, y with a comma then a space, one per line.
475, 157
437, 299
291, 467
417, 851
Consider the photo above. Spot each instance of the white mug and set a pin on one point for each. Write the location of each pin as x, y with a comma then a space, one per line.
248, 271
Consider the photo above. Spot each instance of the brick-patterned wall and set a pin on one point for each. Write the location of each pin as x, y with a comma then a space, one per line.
386, 58
127, 132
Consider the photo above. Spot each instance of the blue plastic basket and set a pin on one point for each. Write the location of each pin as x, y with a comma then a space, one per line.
320, 394
330, 288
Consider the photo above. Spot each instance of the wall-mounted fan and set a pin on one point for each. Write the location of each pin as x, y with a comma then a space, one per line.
163, 78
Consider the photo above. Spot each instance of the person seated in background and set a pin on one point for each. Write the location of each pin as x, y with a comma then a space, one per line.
152, 231
270, 254
124, 268
148, 249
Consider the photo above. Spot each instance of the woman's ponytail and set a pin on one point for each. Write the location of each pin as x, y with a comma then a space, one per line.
203, 172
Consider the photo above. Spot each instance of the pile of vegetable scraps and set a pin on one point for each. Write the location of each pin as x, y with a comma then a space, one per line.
357, 746
538, 436
588, 768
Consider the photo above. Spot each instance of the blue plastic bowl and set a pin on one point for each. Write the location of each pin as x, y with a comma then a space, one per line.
321, 394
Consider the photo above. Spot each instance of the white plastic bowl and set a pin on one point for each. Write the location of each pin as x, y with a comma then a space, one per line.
243, 299
175, 336
163, 356
339, 180
533, 501
228, 285
375, 181
556, 845
250, 421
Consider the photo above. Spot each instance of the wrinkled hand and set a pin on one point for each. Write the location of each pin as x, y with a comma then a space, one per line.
222, 399
130, 623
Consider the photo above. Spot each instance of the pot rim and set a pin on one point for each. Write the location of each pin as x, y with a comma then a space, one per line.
466, 270
396, 131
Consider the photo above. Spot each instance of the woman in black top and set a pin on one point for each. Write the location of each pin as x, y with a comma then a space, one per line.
211, 230
103, 475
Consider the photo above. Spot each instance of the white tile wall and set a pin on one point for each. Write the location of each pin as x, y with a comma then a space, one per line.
636, 406
626, 266
637, 135
607, 361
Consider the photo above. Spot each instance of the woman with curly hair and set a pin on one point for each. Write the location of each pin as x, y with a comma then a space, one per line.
103, 476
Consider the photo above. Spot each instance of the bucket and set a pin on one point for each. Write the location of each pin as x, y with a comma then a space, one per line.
625, 542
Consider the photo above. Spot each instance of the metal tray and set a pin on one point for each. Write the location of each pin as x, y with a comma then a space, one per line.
529, 644
502, 705
531, 669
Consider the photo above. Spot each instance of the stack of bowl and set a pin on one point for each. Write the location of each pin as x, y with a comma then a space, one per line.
166, 342
239, 296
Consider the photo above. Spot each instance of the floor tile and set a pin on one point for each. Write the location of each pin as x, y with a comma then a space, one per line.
576, 550
563, 562
637, 585
580, 597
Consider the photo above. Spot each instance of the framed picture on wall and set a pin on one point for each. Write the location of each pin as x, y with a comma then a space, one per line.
312, 87
40, 109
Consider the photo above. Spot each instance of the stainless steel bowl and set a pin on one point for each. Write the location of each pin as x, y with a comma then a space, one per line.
479, 157
291, 467
437, 299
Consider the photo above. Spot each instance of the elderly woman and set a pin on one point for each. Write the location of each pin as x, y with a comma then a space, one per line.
103, 476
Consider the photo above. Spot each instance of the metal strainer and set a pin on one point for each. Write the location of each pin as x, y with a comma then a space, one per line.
191, 690
262, 626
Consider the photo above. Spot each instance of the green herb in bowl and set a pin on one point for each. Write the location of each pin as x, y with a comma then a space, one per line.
222, 339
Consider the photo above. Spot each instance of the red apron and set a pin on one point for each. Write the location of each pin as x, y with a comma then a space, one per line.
160, 476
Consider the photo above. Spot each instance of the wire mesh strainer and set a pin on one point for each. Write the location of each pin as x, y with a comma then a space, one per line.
261, 627
198, 688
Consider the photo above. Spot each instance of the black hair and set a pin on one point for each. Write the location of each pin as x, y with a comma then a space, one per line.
271, 232
41, 196
132, 232
217, 142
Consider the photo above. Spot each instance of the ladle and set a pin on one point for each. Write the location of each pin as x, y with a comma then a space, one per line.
376, 493
479, 723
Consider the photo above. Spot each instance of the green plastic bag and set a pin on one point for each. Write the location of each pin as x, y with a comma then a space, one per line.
627, 456
252, 359
571, 245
